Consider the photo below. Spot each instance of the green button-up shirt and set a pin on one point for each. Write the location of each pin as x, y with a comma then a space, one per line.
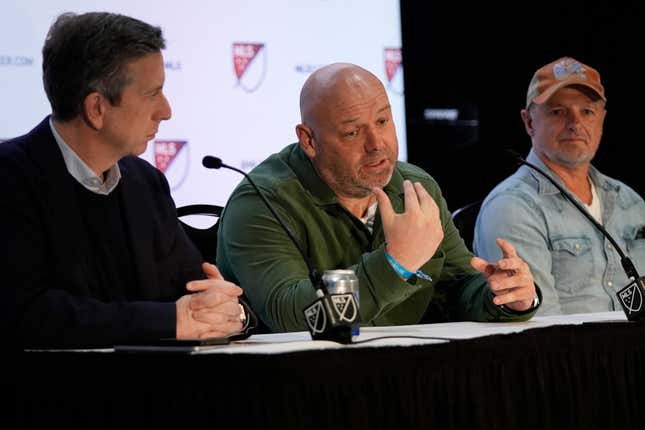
255, 252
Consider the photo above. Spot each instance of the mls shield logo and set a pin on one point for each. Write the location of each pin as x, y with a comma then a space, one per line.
171, 157
250, 64
345, 307
631, 298
394, 69
316, 318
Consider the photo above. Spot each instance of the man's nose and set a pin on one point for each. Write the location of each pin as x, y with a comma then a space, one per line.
165, 112
574, 119
373, 140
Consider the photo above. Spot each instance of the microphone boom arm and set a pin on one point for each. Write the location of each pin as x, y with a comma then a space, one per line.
315, 277
326, 317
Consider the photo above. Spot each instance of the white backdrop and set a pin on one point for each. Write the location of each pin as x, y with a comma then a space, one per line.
234, 70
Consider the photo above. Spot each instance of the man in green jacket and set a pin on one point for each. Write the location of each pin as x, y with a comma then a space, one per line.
412, 265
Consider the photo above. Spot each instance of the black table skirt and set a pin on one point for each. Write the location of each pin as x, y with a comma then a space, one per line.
561, 377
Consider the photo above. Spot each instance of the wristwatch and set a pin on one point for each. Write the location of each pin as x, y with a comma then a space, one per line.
536, 301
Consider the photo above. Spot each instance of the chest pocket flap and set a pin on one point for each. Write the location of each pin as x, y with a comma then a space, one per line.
575, 246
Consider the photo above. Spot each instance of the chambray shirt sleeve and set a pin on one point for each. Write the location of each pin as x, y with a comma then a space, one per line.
518, 219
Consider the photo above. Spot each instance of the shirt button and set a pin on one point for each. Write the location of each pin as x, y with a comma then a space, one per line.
577, 246
609, 284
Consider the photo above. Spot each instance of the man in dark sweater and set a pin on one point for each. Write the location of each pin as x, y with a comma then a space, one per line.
92, 252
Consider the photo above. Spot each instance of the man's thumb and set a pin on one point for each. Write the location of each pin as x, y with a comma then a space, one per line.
211, 271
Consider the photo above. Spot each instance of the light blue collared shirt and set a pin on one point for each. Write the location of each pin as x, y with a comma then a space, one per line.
575, 266
82, 173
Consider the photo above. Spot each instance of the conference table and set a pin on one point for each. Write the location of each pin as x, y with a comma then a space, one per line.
569, 372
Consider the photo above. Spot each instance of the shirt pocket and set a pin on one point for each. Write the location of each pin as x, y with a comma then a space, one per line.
573, 264
636, 248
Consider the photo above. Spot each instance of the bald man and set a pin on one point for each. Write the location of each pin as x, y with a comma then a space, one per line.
351, 204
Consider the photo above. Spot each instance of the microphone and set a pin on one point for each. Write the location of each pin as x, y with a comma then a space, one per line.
632, 296
330, 316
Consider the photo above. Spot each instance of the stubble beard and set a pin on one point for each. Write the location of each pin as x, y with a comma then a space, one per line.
357, 185
572, 159
362, 187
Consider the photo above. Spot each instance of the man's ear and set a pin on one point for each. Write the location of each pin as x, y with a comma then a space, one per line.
528, 122
94, 110
306, 139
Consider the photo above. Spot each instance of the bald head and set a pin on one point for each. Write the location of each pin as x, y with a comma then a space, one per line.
347, 131
330, 84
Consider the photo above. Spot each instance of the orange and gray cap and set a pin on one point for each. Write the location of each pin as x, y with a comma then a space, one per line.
561, 73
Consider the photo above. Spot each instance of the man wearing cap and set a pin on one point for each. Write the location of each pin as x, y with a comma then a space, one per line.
574, 265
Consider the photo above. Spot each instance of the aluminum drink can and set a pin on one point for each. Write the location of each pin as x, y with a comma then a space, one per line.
341, 282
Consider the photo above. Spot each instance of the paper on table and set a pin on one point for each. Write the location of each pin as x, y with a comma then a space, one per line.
279, 343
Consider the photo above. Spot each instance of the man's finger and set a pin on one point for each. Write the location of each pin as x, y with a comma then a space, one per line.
195, 286
221, 304
211, 271
514, 264
504, 298
425, 199
410, 195
224, 287
482, 266
507, 249
232, 329
384, 206
215, 302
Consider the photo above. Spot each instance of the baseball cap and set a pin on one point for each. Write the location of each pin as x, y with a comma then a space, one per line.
563, 72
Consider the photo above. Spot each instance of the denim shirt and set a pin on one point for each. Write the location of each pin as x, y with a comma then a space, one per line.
576, 267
